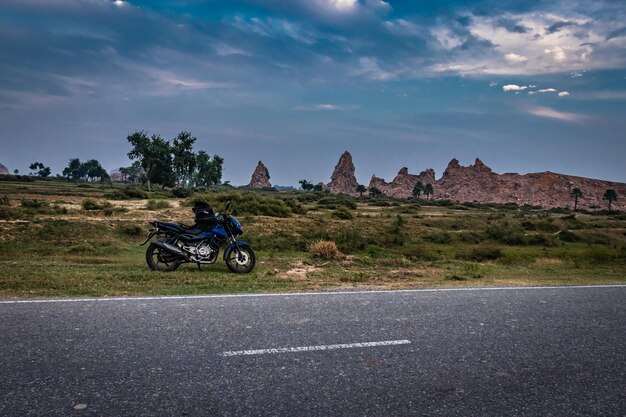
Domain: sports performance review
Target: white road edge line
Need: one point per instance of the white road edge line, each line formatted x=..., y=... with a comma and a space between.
x=314, y=348
x=296, y=294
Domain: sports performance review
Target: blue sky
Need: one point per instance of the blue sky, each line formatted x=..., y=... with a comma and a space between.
x=526, y=86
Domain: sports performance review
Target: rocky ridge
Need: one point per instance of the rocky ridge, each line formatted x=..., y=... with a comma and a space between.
x=402, y=185
x=343, y=179
x=478, y=182
x=4, y=170
x=260, y=177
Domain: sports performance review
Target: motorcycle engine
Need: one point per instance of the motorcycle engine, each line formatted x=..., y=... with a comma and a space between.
x=202, y=252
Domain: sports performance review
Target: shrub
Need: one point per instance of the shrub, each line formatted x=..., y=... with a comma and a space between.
x=127, y=193
x=326, y=249
x=157, y=204
x=336, y=202
x=180, y=192
x=343, y=213
x=244, y=203
x=131, y=230
x=482, y=253
x=33, y=204
x=4, y=201
x=442, y=238
x=91, y=204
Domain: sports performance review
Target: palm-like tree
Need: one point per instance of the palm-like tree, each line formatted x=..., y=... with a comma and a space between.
x=428, y=190
x=576, y=193
x=361, y=189
x=610, y=195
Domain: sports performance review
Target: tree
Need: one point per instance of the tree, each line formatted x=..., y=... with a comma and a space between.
x=73, y=170
x=375, y=192
x=576, y=193
x=306, y=185
x=92, y=170
x=16, y=171
x=208, y=171
x=318, y=187
x=428, y=190
x=132, y=173
x=155, y=156
x=610, y=195
x=40, y=169
x=361, y=189
x=418, y=189
x=183, y=157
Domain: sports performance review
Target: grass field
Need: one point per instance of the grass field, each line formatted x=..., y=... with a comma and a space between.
x=66, y=239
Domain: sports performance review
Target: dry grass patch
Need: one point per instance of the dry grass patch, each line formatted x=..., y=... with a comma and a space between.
x=326, y=249
x=299, y=271
x=549, y=261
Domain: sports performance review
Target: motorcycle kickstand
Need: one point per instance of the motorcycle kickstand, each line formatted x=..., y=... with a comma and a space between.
x=199, y=267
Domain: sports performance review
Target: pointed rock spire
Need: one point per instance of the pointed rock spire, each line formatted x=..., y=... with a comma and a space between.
x=260, y=177
x=343, y=179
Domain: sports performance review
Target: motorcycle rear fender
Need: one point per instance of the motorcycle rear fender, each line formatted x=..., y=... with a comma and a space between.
x=232, y=246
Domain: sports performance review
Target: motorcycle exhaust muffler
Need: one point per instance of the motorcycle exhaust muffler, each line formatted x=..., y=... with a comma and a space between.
x=171, y=248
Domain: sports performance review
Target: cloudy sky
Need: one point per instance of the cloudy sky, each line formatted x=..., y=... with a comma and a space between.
x=527, y=86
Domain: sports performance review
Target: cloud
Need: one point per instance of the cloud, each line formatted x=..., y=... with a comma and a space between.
x=563, y=94
x=548, y=113
x=514, y=87
x=555, y=27
x=616, y=34
x=515, y=58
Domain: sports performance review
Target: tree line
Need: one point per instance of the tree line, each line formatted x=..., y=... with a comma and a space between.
x=173, y=163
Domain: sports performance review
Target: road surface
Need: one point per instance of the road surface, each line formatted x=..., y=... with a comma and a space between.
x=481, y=352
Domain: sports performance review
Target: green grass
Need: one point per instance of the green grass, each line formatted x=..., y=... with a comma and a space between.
x=51, y=246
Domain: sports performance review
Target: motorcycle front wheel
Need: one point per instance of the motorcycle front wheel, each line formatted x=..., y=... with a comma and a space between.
x=242, y=261
x=161, y=260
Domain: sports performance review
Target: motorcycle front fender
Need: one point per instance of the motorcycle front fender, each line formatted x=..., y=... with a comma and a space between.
x=233, y=246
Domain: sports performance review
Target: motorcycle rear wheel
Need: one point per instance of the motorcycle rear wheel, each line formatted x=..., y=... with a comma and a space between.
x=161, y=260
x=242, y=262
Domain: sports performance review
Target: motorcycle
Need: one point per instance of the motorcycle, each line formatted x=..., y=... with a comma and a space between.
x=177, y=244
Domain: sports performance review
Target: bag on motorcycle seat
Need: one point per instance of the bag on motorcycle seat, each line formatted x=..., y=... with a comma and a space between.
x=205, y=216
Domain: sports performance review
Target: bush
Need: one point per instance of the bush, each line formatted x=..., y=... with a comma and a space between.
x=343, y=213
x=442, y=238
x=335, y=202
x=157, y=204
x=92, y=205
x=326, y=249
x=33, y=204
x=482, y=253
x=4, y=201
x=131, y=230
x=246, y=203
x=180, y=192
x=127, y=193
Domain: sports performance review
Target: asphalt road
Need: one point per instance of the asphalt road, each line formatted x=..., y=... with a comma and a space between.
x=498, y=352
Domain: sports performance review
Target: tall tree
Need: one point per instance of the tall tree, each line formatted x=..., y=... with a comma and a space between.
x=72, y=171
x=361, y=189
x=16, y=171
x=208, y=171
x=418, y=189
x=154, y=154
x=576, y=193
x=184, y=157
x=610, y=195
x=40, y=169
x=429, y=190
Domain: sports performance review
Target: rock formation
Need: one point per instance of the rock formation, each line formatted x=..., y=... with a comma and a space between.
x=403, y=184
x=479, y=183
x=116, y=176
x=4, y=170
x=343, y=179
x=260, y=177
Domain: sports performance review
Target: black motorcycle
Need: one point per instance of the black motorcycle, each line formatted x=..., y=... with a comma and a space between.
x=177, y=244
